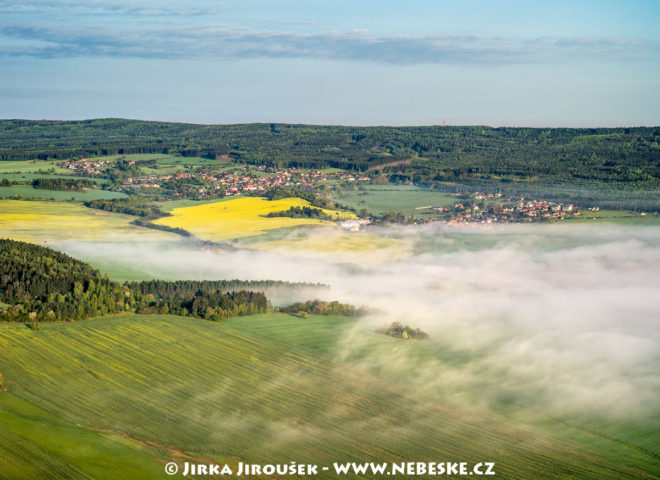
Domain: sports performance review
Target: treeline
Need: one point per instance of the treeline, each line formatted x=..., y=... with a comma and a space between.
x=424, y=155
x=398, y=330
x=40, y=284
x=163, y=228
x=301, y=212
x=194, y=298
x=316, y=200
x=131, y=205
x=320, y=307
x=168, y=288
x=69, y=185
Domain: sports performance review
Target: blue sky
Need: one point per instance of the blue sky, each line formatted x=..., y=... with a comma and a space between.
x=520, y=63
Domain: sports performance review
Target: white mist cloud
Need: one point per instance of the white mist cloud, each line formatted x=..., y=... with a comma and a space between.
x=559, y=318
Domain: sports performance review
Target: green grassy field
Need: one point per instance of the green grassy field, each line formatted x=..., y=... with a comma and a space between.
x=31, y=166
x=37, y=444
x=331, y=336
x=615, y=216
x=26, y=171
x=28, y=177
x=117, y=396
x=167, y=164
x=320, y=335
x=378, y=199
x=138, y=157
x=28, y=191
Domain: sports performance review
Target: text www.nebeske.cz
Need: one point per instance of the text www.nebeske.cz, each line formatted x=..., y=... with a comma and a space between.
x=293, y=468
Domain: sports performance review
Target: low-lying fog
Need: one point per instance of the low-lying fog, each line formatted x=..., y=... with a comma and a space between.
x=560, y=318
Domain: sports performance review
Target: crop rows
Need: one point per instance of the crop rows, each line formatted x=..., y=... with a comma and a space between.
x=213, y=392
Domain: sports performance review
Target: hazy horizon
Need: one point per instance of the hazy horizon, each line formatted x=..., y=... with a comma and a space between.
x=327, y=124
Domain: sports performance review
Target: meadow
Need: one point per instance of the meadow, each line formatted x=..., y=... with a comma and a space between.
x=150, y=389
x=617, y=216
x=167, y=164
x=28, y=177
x=35, y=443
x=378, y=199
x=31, y=166
x=241, y=217
x=29, y=192
x=26, y=171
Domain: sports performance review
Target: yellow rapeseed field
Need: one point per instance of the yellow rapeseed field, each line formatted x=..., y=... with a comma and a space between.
x=42, y=222
x=358, y=247
x=241, y=217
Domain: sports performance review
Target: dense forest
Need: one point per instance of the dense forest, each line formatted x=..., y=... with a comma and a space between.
x=201, y=299
x=627, y=157
x=75, y=185
x=168, y=288
x=41, y=284
x=38, y=283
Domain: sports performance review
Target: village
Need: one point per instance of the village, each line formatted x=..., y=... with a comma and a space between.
x=206, y=183
x=478, y=207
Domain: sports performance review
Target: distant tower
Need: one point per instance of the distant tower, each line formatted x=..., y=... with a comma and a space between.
x=444, y=123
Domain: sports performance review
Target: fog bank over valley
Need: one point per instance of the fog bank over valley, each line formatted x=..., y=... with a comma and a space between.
x=563, y=319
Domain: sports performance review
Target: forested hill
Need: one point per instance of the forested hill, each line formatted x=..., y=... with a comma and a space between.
x=422, y=154
x=37, y=283
x=40, y=284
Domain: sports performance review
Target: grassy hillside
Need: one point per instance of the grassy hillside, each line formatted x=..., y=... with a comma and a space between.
x=354, y=343
x=37, y=444
x=263, y=392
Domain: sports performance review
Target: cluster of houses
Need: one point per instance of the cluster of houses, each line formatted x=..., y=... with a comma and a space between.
x=245, y=179
x=85, y=167
x=483, y=208
x=234, y=181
